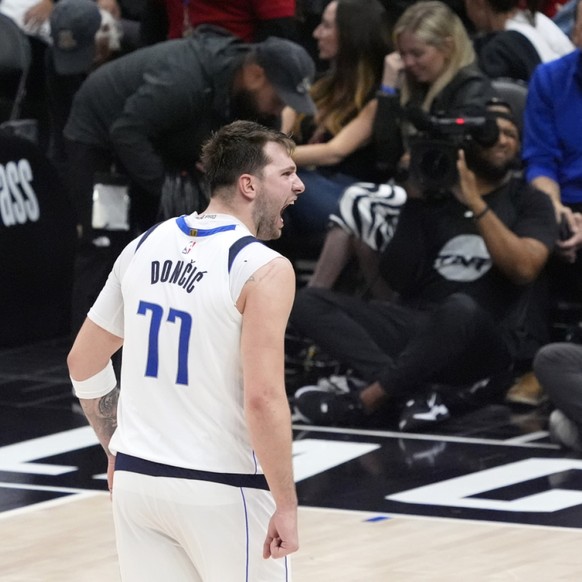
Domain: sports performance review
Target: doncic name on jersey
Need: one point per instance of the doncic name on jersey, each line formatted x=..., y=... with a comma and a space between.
x=182, y=273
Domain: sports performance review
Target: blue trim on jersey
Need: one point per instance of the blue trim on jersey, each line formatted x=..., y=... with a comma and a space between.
x=238, y=246
x=247, y=535
x=183, y=226
x=146, y=234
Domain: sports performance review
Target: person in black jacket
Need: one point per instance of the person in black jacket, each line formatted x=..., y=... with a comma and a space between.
x=149, y=113
x=463, y=264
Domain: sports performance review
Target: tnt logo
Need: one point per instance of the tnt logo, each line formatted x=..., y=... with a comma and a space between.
x=464, y=258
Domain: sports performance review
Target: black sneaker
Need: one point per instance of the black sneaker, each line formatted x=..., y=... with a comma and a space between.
x=489, y=390
x=305, y=362
x=316, y=406
x=423, y=412
x=339, y=384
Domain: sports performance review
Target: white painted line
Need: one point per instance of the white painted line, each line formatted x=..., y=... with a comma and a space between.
x=31, y=487
x=371, y=514
x=526, y=438
x=422, y=436
x=49, y=503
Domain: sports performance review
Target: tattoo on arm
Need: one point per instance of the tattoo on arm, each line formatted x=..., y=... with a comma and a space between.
x=108, y=405
x=102, y=415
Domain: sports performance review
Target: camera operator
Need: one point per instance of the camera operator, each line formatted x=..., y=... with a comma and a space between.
x=463, y=263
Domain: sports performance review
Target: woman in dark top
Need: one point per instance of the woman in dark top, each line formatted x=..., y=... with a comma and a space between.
x=354, y=37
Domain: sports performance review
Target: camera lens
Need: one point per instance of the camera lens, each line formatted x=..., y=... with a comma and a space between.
x=433, y=164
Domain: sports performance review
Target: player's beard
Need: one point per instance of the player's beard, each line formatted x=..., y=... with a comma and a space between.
x=266, y=218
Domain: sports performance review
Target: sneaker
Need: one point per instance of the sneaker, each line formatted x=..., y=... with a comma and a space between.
x=328, y=408
x=526, y=391
x=564, y=431
x=305, y=362
x=468, y=397
x=336, y=384
x=422, y=412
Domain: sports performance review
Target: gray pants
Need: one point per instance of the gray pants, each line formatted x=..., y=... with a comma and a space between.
x=558, y=367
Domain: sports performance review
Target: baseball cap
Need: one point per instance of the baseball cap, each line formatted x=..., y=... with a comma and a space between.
x=290, y=69
x=499, y=108
x=74, y=24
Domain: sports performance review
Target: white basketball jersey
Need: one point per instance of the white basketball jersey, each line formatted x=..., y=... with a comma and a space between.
x=171, y=297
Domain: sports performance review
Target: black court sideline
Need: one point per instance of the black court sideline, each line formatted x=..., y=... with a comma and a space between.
x=495, y=464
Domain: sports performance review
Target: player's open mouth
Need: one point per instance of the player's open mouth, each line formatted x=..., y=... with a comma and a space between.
x=285, y=207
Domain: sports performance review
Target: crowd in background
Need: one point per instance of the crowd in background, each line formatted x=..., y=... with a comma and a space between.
x=130, y=89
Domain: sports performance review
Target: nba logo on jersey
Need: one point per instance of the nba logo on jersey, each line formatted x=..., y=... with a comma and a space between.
x=188, y=247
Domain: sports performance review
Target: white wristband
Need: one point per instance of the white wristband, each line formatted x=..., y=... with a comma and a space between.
x=96, y=386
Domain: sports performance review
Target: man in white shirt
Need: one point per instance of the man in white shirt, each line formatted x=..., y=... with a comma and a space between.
x=201, y=438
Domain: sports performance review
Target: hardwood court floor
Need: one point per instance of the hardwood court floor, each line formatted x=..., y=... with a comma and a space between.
x=72, y=541
x=484, y=497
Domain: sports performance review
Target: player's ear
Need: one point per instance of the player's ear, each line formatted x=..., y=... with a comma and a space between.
x=248, y=186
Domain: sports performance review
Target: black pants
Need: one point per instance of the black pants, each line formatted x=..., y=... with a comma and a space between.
x=97, y=249
x=566, y=278
x=403, y=348
x=558, y=367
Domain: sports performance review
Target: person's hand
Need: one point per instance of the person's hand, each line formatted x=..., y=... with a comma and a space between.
x=102, y=52
x=393, y=65
x=467, y=193
x=110, y=471
x=567, y=249
x=404, y=161
x=35, y=16
x=110, y=6
x=282, y=538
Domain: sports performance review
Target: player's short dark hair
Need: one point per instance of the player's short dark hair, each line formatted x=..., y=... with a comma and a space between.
x=238, y=148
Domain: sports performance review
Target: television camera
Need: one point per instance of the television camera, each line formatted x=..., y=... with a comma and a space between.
x=434, y=149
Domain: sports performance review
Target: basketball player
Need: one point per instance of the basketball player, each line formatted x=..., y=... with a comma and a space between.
x=200, y=440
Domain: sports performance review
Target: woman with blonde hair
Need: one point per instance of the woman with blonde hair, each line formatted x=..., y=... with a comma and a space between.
x=428, y=29
x=433, y=71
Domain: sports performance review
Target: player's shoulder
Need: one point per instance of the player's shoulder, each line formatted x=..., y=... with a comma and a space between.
x=277, y=271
